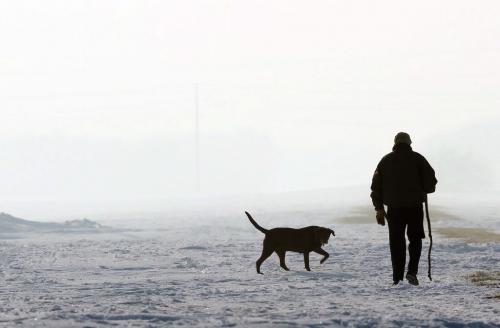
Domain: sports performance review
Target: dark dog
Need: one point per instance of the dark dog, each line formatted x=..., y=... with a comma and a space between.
x=304, y=240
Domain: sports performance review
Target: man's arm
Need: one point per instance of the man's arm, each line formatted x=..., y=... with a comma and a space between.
x=428, y=176
x=376, y=196
x=376, y=188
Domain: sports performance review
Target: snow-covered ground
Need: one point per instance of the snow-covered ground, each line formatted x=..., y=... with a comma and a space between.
x=202, y=273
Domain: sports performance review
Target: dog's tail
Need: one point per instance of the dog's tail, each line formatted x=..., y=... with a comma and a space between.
x=255, y=224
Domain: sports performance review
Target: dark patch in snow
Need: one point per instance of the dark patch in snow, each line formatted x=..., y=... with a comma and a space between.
x=195, y=248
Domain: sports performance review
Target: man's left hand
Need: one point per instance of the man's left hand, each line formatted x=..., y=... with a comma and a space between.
x=381, y=217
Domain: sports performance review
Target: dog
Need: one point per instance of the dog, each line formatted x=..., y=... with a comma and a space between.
x=282, y=240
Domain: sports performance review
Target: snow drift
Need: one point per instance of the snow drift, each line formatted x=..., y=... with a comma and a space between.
x=12, y=224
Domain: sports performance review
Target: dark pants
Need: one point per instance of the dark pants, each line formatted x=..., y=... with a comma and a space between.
x=398, y=218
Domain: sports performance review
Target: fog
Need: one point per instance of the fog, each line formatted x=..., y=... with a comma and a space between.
x=98, y=99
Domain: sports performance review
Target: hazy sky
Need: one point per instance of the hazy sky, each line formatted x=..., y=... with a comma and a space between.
x=97, y=97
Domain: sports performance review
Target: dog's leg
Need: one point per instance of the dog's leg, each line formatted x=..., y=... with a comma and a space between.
x=266, y=252
x=322, y=252
x=306, y=261
x=281, y=255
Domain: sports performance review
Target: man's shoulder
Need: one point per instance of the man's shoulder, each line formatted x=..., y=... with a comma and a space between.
x=419, y=156
x=387, y=157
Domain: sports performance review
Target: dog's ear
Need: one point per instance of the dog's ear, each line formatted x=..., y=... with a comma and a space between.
x=321, y=235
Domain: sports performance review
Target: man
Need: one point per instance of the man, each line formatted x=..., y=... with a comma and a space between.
x=401, y=181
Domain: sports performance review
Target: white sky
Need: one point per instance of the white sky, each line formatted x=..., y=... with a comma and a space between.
x=97, y=97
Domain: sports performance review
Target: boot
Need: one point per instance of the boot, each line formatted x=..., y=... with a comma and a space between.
x=412, y=279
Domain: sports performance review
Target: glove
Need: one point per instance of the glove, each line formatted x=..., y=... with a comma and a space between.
x=381, y=217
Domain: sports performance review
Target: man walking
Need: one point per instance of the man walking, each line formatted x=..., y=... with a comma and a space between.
x=402, y=180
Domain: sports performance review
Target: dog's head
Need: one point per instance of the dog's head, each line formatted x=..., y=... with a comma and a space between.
x=323, y=234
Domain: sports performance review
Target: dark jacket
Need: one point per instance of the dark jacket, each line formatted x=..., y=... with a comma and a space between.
x=402, y=179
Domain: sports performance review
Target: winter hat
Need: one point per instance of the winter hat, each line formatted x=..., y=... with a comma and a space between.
x=402, y=137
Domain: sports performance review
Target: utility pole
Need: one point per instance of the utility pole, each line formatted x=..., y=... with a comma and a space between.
x=197, y=136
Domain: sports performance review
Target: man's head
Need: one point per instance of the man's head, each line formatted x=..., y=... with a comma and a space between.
x=402, y=138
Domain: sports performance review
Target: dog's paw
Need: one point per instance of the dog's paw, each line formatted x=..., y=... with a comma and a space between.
x=308, y=269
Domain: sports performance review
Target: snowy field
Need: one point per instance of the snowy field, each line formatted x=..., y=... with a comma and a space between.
x=202, y=273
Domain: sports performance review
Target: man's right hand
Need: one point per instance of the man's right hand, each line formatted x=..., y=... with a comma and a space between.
x=381, y=217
